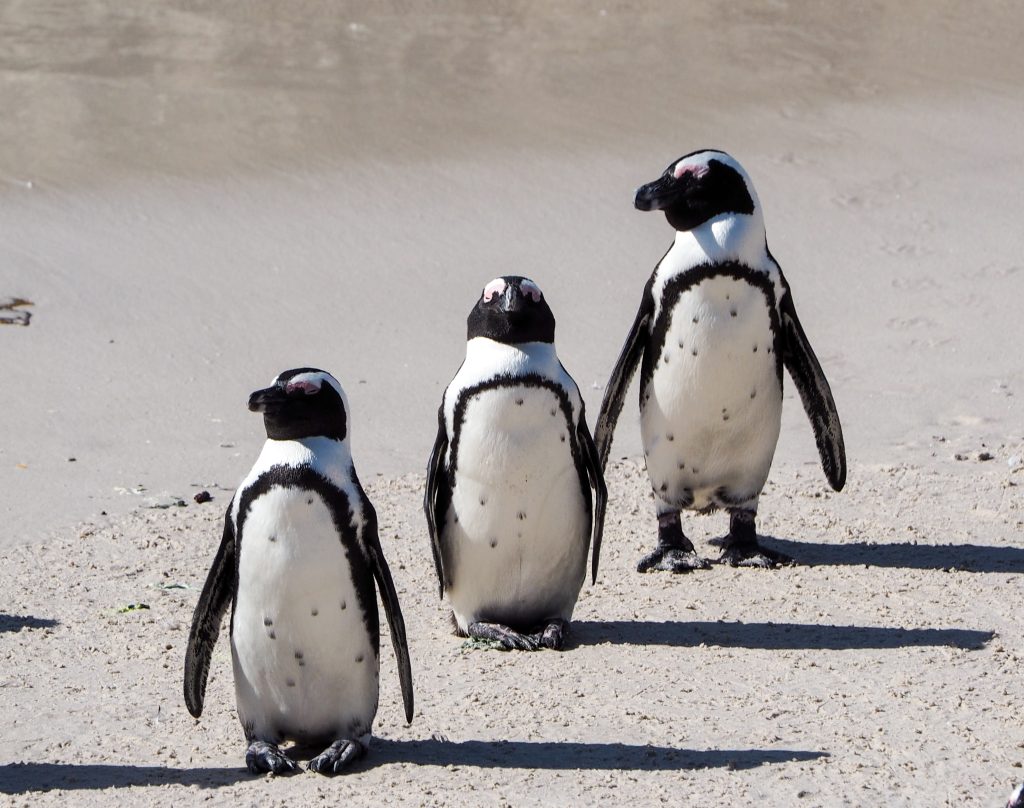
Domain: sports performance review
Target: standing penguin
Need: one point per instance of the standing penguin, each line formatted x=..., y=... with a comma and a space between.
x=298, y=560
x=508, y=498
x=714, y=329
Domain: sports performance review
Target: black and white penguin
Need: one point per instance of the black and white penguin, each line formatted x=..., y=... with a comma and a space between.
x=715, y=327
x=298, y=561
x=508, y=499
x=1016, y=798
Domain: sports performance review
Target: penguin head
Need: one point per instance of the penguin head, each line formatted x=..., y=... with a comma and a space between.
x=303, y=403
x=697, y=188
x=512, y=309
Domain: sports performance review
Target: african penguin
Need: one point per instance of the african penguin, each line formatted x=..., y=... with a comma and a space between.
x=298, y=561
x=715, y=327
x=1016, y=798
x=508, y=498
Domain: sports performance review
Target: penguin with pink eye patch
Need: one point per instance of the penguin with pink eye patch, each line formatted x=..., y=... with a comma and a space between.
x=515, y=497
x=715, y=327
x=298, y=563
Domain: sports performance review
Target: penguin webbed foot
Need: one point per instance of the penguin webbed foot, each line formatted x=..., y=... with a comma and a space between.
x=741, y=549
x=753, y=555
x=553, y=634
x=262, y=757
x=672, y=559
x=337, y=757
x=505, y=638
x=675, y=552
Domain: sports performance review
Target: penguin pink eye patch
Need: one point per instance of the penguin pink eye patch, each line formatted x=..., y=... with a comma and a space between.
x=694, y=171
x=495, y=287
x=307, y=387
x=531, y=290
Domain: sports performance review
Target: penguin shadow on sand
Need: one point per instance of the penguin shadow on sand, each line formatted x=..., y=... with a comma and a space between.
x=773, y=636
x=21, y=778
x=13, y=623
x=573, y=755
x=963, y=557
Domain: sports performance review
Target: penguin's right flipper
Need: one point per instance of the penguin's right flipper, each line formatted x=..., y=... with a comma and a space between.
x=595, y=470
x=432, y=505
x=392, y=609
x=622, y=374
x=213, y=602
x=816, y=395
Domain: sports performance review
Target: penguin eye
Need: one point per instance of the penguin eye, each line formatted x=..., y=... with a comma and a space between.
x=493, y=289
x=303, y=386
x=531, y=290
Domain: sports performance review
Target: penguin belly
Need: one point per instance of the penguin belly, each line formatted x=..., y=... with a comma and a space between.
x=304, y=662
x=711, y=412
x=518, y=524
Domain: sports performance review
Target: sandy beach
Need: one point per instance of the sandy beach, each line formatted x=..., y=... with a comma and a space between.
x=195, y=198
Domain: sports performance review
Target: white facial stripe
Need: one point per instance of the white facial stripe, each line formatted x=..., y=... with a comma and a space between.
x=309, y=388
x=495, y=287
x=528, y=287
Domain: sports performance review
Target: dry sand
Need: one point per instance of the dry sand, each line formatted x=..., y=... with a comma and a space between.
x=195, y=198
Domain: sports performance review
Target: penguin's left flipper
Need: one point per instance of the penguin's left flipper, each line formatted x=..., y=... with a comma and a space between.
x=337, y=757
x=618, y=384
x=815, y=393
x=392, y=609
x=592, y=459
x=213, y=602
x=432, y=506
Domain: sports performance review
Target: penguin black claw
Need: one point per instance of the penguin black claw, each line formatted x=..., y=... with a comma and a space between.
x=337, y=757
x=672, y=559
x=262, y=757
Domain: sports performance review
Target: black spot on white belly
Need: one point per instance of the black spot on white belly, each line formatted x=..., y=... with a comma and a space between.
x=267, y=621
x=670, y=436
x=682, y=465
x=494, y=542
x=753, y=393
x=694, y=351
x=732, y=312
x=519, y=402
x=309, y=501
x=272, y=635
x=298, y=654
x=554, y=413
x=344, y=605
x=315, y=612
x=562, y=438
x=359, y=658
x=290, y=682
x=272, y=538
x=755, y=349
x=664, y=487
x=521, y=516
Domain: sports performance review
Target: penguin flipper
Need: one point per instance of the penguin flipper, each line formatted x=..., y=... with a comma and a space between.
x=626, y=365
x=595, y=472
x=816, y=395
x=213, y=602
x=392, y=609
x=431, y=505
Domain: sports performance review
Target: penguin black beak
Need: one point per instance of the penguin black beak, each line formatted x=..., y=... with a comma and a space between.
x=511, y=300
x=660, y=194
x=270, y=399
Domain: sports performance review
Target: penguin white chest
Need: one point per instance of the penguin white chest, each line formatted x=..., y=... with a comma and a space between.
x=304, y=661
x=518, y=525
x=711, y=412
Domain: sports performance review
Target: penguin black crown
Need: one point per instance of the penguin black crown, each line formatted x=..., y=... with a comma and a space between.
x=298, y=562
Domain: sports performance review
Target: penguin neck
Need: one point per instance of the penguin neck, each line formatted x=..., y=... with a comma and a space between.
x=726, y=237
x=317, y=451
x=509, y=357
